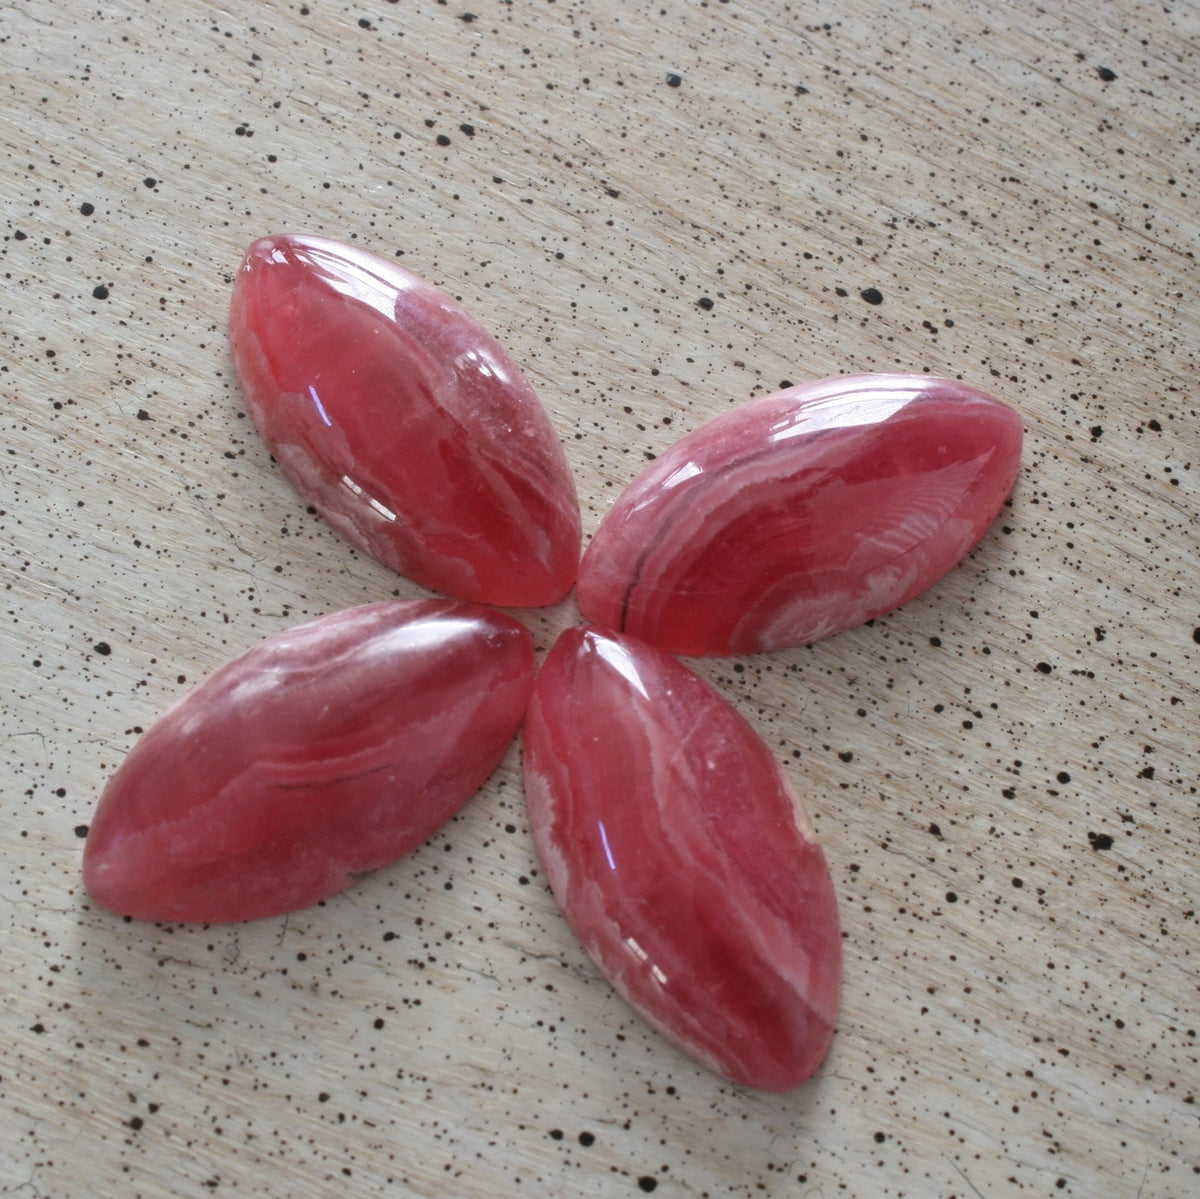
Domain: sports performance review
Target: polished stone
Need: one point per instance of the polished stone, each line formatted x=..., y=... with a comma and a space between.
x=682, y=858
x=327, y=750
x=404, y=422
x=802, y=513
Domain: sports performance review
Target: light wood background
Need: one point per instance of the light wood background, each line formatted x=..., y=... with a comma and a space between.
x=1004, y=773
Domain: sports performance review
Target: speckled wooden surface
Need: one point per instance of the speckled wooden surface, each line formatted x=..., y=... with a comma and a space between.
x=661, y=209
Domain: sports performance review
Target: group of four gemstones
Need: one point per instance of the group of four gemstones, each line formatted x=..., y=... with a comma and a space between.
x=669, y=835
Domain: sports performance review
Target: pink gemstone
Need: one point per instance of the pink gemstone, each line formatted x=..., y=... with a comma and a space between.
x=327, y=750
x=404, y=422
x=683, y=859
x=802, y=513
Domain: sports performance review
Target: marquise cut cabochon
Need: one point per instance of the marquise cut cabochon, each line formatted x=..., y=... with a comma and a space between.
x=682, y=858
x=327, y=750
x=404, y=422
x=801, y=514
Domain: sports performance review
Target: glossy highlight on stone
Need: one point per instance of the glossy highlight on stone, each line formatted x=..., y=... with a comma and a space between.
x=682, y=858
x=327, y=750
x=404, y=422
x=801, y=514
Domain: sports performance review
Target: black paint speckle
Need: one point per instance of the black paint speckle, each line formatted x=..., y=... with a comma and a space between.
x=86, y=208
x=102, y=648
x=705, y=302
x=81, y=830
x=647, y=1183
x=1100, y=840
x=872, y=295
x=100, y=292
x=674, y=80
x=1107, y=74
x=587, y=1139
x=150, y=181
x=442, y=140
x=1044, y=667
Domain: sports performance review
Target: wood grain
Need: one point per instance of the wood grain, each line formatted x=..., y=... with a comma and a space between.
x=661, y=210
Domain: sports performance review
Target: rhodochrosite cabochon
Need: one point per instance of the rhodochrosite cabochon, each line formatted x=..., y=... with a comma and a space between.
x=801, y=514
x=682, y=858
x=327, y=750
x=404, y=422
